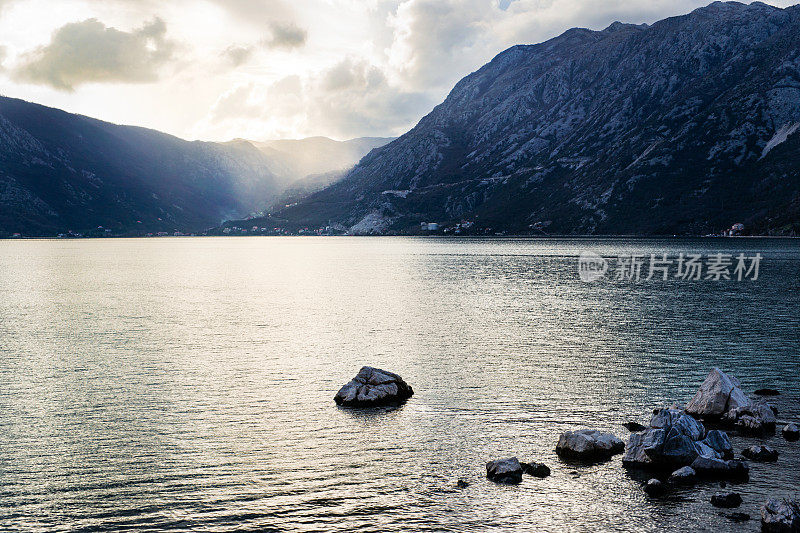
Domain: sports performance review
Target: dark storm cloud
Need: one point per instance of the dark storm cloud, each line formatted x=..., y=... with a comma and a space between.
x=89, y=51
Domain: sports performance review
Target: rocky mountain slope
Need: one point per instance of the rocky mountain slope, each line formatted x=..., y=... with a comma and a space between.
x=686, y=126
x=61, y=172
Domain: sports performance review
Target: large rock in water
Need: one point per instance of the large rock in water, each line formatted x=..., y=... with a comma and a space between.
x=780, y=516
x=674, y=439
x=374, y=387
x=588, y=445
x=718, y=394
x=508, y=471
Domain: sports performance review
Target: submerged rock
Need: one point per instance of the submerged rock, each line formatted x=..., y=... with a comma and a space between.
x=718, y=394
x=761, y=453
x=791, y=432
x=374, y=387
x=461, y=484
x=588, y=445
x=654, y=488
x=726, y=499
x=508, y=471
x=739, y=517
x=536, y=469
x=634, y=427
x=683, y=476
x=766, y=392
x=780, y=516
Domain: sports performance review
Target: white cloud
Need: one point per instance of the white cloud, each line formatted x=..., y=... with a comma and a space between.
x=89, y=51
x=352, y=98
x=272, y=68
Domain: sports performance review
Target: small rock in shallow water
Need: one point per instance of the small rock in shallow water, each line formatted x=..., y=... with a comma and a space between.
x=791, y=432
x=634, y=427
x=766, y=392
x=654, y=488
x=780, y=516
x=536, y=469
x=373, y=387
x=759, y=452
x=507, y=471
x=588, y=445
x=461, y=484
x=683, y=476
x=726, y=499
x=739, y=517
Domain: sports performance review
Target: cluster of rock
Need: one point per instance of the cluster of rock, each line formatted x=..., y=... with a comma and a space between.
x=373, y=387
x=509, y=471
x=674, y=441
x=721, y=398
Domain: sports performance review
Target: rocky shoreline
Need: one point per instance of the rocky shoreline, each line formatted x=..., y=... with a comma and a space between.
x=680, y=447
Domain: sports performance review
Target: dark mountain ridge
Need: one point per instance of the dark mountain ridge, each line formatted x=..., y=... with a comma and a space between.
x=61, y=172
x=685, y=126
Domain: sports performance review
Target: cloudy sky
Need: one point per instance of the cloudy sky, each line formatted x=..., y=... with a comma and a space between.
x=265, y=69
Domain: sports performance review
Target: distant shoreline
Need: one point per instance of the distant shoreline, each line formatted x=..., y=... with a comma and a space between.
x=455, y=237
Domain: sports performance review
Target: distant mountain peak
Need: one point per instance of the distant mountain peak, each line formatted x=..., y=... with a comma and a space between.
x=633, y=129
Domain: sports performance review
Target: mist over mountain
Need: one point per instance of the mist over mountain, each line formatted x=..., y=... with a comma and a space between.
x=685, y=126
x=62, y=172
x=318, y=155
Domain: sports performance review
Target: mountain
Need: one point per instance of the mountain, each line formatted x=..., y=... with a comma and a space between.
x=685, y=126
x=61, y=172
x=318, y=155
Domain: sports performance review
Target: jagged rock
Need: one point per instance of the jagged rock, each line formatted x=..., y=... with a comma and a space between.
x=673, y=440
x=766, y=392
x=719, y=442
x=588, y=444
x=654, y=488
x=756, y=419
x=726, y=499
x=718, y=394
x=634, y=427
x=374, y=387
x=780, y=516
x=683, y=476
x=508, y=471
x=719, y=468
x=761, y=453
x=536, y=469
x=461, y=484
x=791, y=432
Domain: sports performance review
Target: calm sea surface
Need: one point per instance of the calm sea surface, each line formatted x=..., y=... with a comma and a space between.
x=187, y=383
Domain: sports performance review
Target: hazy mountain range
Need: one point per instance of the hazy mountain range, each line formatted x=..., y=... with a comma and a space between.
x=689, y=125
x=686, y=126
x=62, y=172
